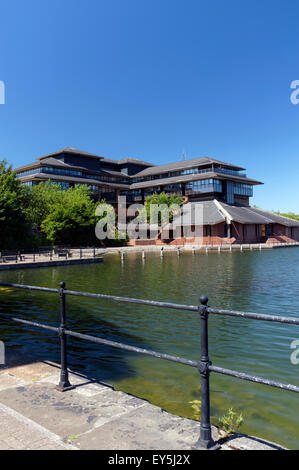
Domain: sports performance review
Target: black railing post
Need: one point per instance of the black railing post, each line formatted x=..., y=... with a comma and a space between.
x=64, y=383
x=205, y=440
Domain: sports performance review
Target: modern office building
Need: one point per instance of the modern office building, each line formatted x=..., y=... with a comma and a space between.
x=224, y=190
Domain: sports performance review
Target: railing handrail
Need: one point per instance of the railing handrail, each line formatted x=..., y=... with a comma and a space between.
x=204, y=365
x=162, y=304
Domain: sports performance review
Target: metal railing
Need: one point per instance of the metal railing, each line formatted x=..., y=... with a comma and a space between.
x=204, y=365
x=49, y=253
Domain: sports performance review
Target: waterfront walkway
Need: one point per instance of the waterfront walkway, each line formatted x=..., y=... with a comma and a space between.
x=91, y=255
x=34, y=415
x=42, y=261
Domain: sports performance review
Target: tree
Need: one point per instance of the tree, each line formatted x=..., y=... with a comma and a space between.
x=44, y=213
x=106, y=228
x=160, y=207
x=71, y=216
x=40, y=200
x=64, y=217
x=14, y=231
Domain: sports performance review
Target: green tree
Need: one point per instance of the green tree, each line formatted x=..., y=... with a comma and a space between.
x=106, y=229
x=14, y=231
x=71, y=217
x=40, y=200
x=160, y=207
x=66, y=217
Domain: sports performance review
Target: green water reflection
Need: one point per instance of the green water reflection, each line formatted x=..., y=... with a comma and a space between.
x=265, y=282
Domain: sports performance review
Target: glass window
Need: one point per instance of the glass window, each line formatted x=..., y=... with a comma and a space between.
x=204, y=186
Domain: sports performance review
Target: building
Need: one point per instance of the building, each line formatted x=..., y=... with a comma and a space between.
x=224, y=191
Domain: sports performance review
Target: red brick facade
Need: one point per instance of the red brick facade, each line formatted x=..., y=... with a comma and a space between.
x=241, y=233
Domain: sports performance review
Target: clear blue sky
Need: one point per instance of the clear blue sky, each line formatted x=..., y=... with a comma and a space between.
x=151, y=79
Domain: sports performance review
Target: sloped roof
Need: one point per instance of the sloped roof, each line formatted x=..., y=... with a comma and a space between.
x=123, y=161
x=54, y=162
x=51, y=161
x=198, y=213
x=73, y=179
x=214, y=212
x=188, y=178
x=251, y=215
x=134, y=160
x=184, y=164
x=72, y=151
x=245, y=215
x=277, y=219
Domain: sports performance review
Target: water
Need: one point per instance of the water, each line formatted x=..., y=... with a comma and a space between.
x=265, y=282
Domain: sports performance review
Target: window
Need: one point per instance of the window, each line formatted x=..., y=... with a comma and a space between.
x=204, y=186
x=46, y=169
x=263, y=230
x=242, y=189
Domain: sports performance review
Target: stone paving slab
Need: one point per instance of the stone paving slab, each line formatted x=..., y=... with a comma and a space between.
x=92, y=415
x=20, y=433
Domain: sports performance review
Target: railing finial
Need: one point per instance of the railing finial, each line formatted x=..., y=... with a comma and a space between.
x=204, y=300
